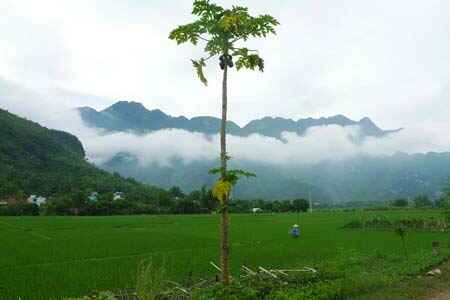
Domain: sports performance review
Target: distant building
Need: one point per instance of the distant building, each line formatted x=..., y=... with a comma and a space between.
x=93, y=197
x=118, y=196
x=256, y=210
x=38, y=200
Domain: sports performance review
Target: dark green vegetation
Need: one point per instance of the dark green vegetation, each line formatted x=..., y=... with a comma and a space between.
x=421, y=224
x=70, y=256
x=271, y=182
x=39, y=161
x=133, y=116
x=369, y=178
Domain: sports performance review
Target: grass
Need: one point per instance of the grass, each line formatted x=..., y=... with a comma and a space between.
x=56, y=257
x=415, y=287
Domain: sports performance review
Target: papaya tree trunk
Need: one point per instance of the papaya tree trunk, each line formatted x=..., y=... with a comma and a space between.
x=224, y=221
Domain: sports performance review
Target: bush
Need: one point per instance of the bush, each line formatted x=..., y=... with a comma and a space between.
x=353, y=224
x=151, y=282
x=97, y=296
x=233, y=291
x=19, y=209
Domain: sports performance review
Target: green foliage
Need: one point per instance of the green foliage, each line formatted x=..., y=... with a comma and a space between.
x=39, y=161
x=198, y=65
x=19, y=209
x=300, y=205
x=222, y=188
x=151, y=282
x=233, y=291
x=221, y=29
x=447, y=189
x=97, y=296
x=401, y=232
x=251, y=62
x=232, y=176
x=400, y=226
x=400, y=202
x=422, y=201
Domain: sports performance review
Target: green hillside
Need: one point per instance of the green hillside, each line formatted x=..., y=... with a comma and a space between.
x=37, y=160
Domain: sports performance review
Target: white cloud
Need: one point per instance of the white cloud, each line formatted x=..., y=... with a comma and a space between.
x=158, y=147
x=326, y=143
x=383, y=59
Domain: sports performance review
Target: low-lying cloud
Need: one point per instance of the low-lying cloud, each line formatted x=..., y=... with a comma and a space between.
x=324, y=143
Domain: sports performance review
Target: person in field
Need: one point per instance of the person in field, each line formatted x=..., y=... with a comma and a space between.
x=295, y=231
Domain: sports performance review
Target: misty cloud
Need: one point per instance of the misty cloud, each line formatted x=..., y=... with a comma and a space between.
x=52, y=109
x=324, y=143
x=384, y=59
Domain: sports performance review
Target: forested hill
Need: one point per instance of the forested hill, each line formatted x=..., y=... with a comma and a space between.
x=37, y=160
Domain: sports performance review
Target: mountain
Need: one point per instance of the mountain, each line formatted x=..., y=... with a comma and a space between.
x=378, y=178
x=362, y=178
x=133, y=116
x=271, y=182
x=37, y=160
x=359, y=178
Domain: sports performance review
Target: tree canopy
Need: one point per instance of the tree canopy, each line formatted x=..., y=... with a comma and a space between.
x=221, y=29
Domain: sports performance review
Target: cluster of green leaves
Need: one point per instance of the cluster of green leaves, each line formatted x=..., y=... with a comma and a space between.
x=232, y=176
x=229, y=178
x=447, y=191
x=221, y=29
x=97, y=296
x=19, y=209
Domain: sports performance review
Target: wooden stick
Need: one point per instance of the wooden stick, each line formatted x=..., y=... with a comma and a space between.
x=266, y=271
x=248, y=270
x=215, y=266
x=281, y=272
x=183, y=290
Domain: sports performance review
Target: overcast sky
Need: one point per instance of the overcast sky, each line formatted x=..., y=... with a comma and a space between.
x=389, y=60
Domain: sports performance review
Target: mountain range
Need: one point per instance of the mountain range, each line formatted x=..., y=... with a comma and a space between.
x=359, y=178
x=134, y=117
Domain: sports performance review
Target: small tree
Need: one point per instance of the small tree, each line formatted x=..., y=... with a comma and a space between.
x=300, y=205
x=444, y=202
x=400, y=202
x=422, y=201
x=221, y=29
x=401, y=232
x=447, y=191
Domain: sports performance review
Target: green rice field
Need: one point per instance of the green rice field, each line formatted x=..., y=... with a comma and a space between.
x=58, y=257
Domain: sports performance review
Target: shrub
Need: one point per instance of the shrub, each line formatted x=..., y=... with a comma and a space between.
x=97, y=296
x=151, y=282
x=234, y=291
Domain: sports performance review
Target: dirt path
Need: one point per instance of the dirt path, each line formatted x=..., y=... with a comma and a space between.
x=445, y=295
x=439, y=287
x=421, y=287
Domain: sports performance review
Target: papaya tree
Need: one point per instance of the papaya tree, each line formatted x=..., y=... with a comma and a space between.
x=221, y=32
